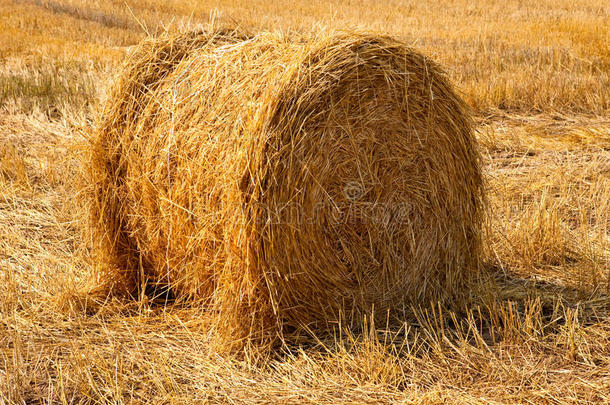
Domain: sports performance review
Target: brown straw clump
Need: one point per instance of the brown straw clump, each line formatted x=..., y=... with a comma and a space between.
x=286, y=184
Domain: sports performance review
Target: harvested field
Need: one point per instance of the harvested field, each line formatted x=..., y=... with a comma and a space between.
x=535, y=76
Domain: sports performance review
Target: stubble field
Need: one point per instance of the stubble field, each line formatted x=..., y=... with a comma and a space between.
x=537, y=76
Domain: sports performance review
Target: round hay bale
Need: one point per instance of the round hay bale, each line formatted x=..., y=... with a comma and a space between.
x=287, y=183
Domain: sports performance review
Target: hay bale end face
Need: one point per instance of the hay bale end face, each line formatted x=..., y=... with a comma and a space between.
x=286, y=183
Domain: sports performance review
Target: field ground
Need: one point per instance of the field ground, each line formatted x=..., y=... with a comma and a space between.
x=538, y=79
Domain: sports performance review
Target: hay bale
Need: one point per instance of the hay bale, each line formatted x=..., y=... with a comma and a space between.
x=286, y=183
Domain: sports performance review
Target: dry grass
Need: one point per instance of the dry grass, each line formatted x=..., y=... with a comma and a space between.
x=537, y=75
x=543, y=56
